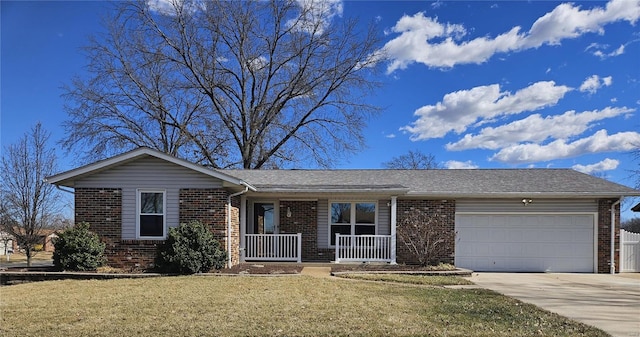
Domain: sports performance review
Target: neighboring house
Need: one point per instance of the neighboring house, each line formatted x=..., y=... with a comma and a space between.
x=6, y=243
x=636, y=208
x=555, y=220
x=45, y=238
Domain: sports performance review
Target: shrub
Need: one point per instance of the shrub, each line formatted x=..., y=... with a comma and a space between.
x=78, y=249
x=190, y=248
x=424, y=234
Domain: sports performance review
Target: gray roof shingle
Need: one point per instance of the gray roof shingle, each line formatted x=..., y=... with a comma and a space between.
x=440, y=183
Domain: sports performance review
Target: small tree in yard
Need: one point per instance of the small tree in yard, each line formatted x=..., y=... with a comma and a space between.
x=190, y=248
x=425, y=236
x=78, y=249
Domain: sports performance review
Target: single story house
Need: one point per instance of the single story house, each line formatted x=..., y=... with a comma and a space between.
x=531, y=220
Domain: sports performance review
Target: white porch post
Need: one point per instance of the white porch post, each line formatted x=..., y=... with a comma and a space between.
x=394, y=206
x=243, y=227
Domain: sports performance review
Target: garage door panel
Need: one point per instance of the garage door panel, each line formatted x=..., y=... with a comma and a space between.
x=494, y=242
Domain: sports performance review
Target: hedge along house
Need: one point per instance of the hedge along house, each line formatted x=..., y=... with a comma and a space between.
x=555, y=220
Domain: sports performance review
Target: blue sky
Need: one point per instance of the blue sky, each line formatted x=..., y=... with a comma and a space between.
x=486, y=84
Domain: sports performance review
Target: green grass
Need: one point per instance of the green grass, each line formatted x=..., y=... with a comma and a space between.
x=411, y=279
x=264, y=306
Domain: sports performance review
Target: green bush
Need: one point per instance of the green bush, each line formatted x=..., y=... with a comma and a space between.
x=190, y=248
x=78, y=249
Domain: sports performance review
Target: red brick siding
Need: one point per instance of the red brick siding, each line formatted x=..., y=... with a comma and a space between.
x=209, y=206
x=446, y=207
x=102, y=209
x=604, y=235
x=304, y=219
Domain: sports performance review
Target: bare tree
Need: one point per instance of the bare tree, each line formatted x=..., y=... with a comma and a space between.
x=413, y=160
x=631, y=225
x=426, y=237
x=28, y=203
x=253, y=84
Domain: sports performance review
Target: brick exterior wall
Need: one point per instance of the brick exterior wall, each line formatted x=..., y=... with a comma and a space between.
x=102, y=209
x=604, y=235
x=447, y=209
x=209, y=206
x=304, y=219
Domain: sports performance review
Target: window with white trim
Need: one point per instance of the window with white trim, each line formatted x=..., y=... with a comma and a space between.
x=151, y=214
x=352, y=218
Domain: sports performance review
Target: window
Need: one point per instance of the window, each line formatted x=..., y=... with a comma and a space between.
x=151, y=214
x=352, y=218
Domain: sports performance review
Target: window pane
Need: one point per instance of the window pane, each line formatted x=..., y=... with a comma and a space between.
x=151, y=225
x=340, y=212
x=365, y=230
x=366, y=213
x=151, y=203
x=342, y=229
x=263, y=218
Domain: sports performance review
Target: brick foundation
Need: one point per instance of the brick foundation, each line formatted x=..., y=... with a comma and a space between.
x=447, y=208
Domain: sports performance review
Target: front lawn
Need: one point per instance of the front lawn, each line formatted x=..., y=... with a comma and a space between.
x=266, y=306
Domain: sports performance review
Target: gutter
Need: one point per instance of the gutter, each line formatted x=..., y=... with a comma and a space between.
x=246, y=189
x=613, y=236
x=64, y=190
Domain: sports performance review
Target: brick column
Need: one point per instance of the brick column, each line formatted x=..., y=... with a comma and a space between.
x=604, y=235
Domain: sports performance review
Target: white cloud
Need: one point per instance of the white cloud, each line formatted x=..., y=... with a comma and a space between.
x=171, y=7
x=594, y=82
x=604, y=165
x=461, y=109
x=598, y=50
x=456, y=165
x=425, y=40
x=390, y=136
x=597, y=143
x=316, y=15
x=535, y=129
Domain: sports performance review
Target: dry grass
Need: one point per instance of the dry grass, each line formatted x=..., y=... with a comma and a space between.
x=254, y=306
x=411, y=279
x=21, y=258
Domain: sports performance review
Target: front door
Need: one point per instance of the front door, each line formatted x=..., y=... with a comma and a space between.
x=264, y=218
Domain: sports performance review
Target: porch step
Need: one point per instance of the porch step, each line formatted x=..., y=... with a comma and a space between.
x=316, y=271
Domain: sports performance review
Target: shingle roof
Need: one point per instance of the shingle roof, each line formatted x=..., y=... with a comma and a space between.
x=473, y=182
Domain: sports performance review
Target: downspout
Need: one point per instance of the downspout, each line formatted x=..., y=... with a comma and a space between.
x=613, y=236
x=246, y=188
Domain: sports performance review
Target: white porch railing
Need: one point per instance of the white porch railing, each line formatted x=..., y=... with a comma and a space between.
x=364, y=248
x=273, y=247
x=629, y=252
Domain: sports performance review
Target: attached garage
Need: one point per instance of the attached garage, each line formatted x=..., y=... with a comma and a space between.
x=535, y=239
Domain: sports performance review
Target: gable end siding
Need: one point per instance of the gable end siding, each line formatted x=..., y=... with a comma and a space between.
x=148, y=173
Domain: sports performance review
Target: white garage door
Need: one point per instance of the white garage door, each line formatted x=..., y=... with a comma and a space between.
x=525, y=243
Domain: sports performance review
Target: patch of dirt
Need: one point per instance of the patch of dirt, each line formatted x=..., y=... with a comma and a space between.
x=262, y=269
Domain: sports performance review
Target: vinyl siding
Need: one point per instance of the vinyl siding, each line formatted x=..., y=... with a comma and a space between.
x=536, y=206
x=148, y=173
x=323, y=223
x=384, y=219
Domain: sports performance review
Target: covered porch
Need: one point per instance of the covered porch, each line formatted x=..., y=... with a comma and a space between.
x=350, y=230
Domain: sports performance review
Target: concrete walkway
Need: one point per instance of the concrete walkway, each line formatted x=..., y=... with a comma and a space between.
x=608, y=302
x=316, y=271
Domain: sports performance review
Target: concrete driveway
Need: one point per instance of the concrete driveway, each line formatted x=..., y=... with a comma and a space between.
x=608, y=302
